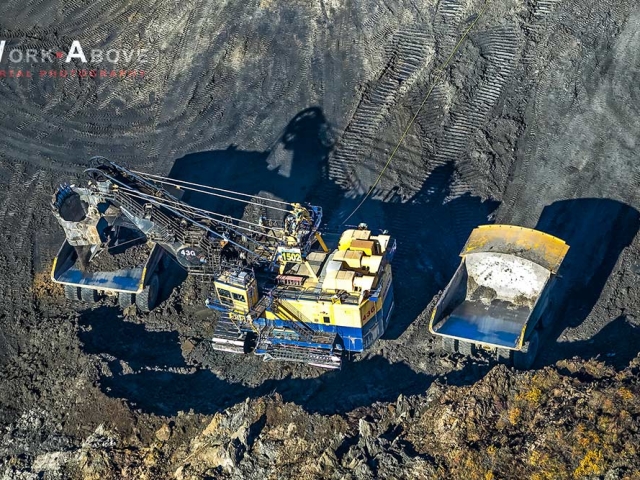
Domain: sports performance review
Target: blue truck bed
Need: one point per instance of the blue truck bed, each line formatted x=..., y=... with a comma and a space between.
x=130, y=280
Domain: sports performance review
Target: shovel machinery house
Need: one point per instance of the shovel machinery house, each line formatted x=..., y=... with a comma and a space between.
x=279, y=291
x=499, y=296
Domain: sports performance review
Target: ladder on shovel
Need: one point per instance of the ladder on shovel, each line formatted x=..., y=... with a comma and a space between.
x=230, y=334
x=297, y=342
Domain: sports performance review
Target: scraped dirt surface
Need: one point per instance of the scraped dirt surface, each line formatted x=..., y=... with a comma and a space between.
x=535, y=122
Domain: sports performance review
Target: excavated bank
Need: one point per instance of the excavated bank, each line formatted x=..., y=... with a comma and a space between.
x=578, y=420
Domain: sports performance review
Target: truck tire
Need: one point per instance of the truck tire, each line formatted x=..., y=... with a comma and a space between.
x=147, y=298
x=72, y=292
x=126, y=299
x=449, y=345
x=546, y=320
x=503, y=355
x=465, y=348
x=89, y=295
x=523, y=360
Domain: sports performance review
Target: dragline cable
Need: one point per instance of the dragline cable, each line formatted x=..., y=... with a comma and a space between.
x=204, y=213
x=126, y=189
x=180, y=211
x=182, y=184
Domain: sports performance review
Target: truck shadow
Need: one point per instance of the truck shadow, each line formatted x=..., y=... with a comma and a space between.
x=596, y=230
x=171, y=277
x=615, y=345
x=103, y=332
x=157, y=380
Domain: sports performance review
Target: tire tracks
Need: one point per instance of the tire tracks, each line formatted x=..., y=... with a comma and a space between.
x=16, y=215
x=410, y=54
x=499, y=48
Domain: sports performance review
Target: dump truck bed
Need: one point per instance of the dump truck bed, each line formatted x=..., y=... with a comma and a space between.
x=500, y=287
x=498, y=325
x=130, y=280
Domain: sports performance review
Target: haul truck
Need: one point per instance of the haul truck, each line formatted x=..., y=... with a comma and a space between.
x=91, y=228
x=498, y=298
x=137, y=285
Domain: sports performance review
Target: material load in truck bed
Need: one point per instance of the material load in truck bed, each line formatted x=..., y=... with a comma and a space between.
x=500, y=293
x=108, y=261
x=503, y=277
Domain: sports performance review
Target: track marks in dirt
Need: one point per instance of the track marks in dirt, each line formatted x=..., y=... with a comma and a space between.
x=410, y=52
x=19, y=203
x=551, y=166
x=543, y=8
x=499, y=48
x=447, y=25
x=81, y=117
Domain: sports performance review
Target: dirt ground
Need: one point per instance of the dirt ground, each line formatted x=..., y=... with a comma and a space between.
x=534, y=122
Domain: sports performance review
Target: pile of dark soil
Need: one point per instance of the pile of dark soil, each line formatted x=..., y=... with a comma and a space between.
x=107, y=260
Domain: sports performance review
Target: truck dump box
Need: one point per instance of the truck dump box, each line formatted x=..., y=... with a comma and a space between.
x=128, y=280
x=500, y=287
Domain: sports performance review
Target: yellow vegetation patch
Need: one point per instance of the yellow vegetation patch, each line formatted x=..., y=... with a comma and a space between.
x=44, y=287
x=514, y=415
x=607, y=405
x=591, y=464
x=470, y=465
x=532, y=396
x=546, y=466
x=588, y=438
x=625, y=394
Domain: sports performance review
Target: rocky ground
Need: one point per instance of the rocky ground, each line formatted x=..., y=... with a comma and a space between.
x=575, y=420
x=534, y=122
